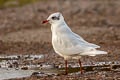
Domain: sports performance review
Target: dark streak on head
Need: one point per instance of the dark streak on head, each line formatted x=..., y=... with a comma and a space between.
x=55, y=18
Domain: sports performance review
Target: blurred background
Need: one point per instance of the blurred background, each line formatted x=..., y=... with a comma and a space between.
x=23, y=34
x=21, y=31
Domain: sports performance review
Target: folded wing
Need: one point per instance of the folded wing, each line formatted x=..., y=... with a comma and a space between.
x=76, y=45
x=85, y=43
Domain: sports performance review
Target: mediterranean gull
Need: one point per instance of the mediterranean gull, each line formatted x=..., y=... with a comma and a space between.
x=67, y=43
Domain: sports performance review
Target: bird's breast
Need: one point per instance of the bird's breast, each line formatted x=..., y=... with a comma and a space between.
x=57, y=44
x=60, y=43
x=57, y=41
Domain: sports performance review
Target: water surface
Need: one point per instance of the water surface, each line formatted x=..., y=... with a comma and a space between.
x=12, y=73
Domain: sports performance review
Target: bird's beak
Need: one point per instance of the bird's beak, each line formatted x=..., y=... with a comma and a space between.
x=45, y=21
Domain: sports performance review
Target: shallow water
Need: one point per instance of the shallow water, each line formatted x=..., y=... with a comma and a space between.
x=8, y=73
x=12, y=73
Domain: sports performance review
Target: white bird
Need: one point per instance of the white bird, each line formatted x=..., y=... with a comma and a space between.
x=67, y=43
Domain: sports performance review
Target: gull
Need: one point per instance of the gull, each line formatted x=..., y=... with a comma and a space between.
x=68, y=44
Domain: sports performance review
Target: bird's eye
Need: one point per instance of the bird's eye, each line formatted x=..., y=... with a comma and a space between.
x=53, y=17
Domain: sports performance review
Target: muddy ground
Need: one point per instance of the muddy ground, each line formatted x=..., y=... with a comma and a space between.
x=21, y=31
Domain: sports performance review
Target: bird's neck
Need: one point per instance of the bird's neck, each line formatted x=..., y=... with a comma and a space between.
x=60, y=28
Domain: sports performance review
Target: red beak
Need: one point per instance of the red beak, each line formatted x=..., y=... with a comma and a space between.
x=45, y=21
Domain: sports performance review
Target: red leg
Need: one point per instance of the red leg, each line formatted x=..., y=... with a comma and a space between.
x=66, y=67
x=80, y=65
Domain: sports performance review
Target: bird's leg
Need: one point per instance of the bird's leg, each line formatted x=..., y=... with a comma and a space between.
x=80, y=65
x=66, y=67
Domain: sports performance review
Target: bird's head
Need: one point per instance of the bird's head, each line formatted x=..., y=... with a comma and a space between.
x=54, y=18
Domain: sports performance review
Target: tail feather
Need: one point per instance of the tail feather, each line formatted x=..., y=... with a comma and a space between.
x=94, y=53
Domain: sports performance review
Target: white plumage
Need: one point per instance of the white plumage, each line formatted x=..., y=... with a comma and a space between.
x=67, y=43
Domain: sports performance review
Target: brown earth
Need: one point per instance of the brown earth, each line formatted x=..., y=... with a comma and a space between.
x=21, y=31
x=87, y=76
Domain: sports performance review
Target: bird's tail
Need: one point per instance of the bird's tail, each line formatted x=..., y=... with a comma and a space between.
x=94, y=53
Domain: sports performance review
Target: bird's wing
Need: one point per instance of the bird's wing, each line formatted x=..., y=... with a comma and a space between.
x=72, y=44
x=85, y=43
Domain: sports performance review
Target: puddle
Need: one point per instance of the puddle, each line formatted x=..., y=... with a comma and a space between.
x=12, y=73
